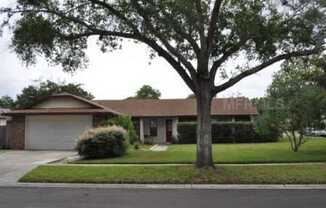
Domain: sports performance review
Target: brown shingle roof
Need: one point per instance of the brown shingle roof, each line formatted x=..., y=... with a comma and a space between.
x=178, y=107
x=54, y=111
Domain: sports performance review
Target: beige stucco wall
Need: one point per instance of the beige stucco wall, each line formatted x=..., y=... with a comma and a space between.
x=161, y=129
x=161, y=132
x=62, y=103
x=175, y=127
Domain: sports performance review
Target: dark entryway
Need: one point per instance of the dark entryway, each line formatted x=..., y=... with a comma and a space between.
x=168, y=127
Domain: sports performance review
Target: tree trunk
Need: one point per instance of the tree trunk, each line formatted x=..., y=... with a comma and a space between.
x=204, y=127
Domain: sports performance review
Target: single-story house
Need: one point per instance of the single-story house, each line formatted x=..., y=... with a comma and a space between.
x=56, y=122
x=3, y=119
x=3, y=124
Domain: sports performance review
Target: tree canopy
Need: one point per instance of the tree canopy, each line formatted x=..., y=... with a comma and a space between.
x=33, y=93
x=7, y=102
x=196, y=37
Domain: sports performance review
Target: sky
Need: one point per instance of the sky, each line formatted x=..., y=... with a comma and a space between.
x=115, y=75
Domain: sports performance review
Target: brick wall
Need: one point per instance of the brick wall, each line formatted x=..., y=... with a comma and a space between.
x=16, y=133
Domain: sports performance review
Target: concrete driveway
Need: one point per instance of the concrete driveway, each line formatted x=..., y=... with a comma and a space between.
x=14, y=164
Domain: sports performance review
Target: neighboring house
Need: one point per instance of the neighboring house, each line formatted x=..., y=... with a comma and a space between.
x=56, y=122
x=3, y=119
x=3, y=123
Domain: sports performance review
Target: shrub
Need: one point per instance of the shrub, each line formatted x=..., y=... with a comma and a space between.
x=103, y=143
x=175, y=139
x=136, y=146
x=126, y=123
x=265, y=128
x=187, y=133
x=223, y=133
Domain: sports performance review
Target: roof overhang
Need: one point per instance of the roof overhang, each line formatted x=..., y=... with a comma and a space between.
x=95, y=108
x=58, y=112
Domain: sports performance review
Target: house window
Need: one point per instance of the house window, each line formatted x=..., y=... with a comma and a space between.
x=153, y=128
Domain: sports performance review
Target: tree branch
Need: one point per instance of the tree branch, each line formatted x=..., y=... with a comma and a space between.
x=176, y=65
x=213, y=23
x=260, y=67
x=116, y=13
x=201, y=28
x=167, y=45
x=225, y=57
x=179, y=30
x=95, y=31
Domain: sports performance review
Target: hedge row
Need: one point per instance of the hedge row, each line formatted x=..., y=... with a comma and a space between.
x=224, y=133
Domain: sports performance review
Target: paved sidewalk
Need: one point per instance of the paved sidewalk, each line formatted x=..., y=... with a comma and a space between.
x=159, y=148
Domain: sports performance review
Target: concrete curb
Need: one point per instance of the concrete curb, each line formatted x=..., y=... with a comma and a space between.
x=173, y=164
x=165, y=186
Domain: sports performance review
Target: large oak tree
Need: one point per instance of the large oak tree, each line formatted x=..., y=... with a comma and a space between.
x=198, y=38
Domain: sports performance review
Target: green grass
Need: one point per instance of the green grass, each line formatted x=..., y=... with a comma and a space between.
x=313, y=150
x=263, y=174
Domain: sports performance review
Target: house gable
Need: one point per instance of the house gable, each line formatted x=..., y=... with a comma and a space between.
x=62, y=102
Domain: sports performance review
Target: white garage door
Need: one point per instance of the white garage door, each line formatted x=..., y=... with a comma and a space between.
x=55, y=132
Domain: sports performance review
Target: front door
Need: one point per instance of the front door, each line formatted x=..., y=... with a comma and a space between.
x=168, y=127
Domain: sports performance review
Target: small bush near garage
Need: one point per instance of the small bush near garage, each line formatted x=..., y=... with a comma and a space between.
x=103, y=143
x=223, y=133
x=126, y=123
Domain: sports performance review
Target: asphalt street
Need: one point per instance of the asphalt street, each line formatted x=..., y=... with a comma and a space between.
x=14, y=197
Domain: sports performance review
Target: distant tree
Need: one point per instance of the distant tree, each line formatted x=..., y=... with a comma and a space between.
x=197, y=38
x=300, y=102
x=33, y=93
x=7, y=102
x=147, y=92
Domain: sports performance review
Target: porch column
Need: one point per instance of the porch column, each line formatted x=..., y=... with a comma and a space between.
x=175, y=127
x=141, y=130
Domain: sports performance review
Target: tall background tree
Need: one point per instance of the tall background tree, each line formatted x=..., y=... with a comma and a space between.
x=198, y=38
x=33, y=93
x=7, y=102
x=147, y=92
x=295, y=102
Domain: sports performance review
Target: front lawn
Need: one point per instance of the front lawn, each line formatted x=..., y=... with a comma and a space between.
x=313, y=150
x=186, y=174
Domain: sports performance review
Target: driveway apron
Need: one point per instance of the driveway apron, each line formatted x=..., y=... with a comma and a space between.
x=15, y=164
